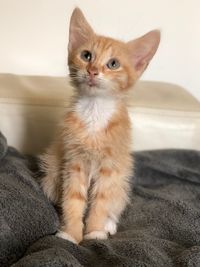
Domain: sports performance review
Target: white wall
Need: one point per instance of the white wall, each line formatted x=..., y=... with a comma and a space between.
x=34, y=33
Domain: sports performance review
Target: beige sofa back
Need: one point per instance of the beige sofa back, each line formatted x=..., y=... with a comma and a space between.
x=163, y=115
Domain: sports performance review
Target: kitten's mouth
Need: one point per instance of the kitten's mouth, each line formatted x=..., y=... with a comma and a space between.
x=92, y=82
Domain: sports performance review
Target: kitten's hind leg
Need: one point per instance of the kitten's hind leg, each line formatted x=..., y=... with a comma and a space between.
x=51, y=187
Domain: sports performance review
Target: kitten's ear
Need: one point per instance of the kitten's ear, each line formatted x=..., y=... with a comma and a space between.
x=142, y=50
x=79, y=30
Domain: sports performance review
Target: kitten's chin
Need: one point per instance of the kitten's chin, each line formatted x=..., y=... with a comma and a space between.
x=90, y=90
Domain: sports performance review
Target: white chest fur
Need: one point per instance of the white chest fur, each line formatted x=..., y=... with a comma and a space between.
x=95, y=111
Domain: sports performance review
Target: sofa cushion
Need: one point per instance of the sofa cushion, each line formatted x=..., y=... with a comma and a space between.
x=163, y=115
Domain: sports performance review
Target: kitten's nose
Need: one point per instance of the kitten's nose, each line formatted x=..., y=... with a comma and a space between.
x=92, y=70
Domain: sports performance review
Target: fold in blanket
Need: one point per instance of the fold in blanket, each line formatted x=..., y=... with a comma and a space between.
x=3, y=146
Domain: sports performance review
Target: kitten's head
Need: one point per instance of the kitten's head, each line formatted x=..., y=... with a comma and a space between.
x=101, y=65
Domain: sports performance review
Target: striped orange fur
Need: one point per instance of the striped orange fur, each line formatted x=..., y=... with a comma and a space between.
x=90, y=162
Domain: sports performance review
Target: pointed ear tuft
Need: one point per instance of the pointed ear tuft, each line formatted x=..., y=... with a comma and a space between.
x=143, y=49
x=79, y=30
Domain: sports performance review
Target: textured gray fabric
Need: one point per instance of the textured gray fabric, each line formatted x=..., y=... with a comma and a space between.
x=25, y=214
x=160, y=227
x=3, y=146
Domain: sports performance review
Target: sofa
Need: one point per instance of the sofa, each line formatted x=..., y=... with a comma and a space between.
x=163, y=115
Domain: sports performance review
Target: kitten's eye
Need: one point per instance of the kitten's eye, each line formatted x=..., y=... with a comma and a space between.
x=86, y=55
x=113, y=64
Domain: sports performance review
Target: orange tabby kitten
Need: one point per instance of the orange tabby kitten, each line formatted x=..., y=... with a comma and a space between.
x=90, y=163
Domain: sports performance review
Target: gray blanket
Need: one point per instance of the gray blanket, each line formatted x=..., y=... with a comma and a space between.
x=160, y=227
x=25, y=213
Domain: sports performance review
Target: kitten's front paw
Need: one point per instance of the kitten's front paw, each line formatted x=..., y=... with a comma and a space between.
x=110, y=226
x=66, y=236
x=96, y=235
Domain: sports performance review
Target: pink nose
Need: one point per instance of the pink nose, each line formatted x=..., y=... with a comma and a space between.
x=92, y=70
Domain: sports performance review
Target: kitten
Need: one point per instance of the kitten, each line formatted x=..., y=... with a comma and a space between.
x=90, y=163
